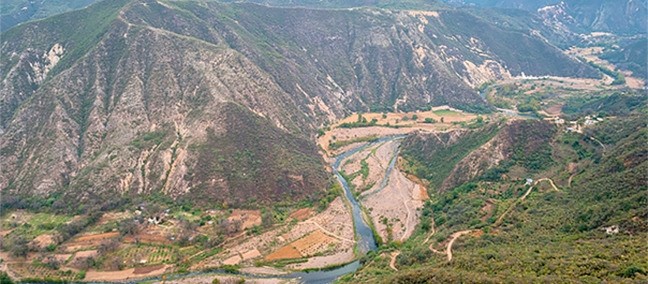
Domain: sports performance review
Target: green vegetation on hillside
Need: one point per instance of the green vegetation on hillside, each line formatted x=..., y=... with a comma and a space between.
x=618, y=103
x=552, y=235
x=256, y=163
x=630, y=55
x=619, y=78
x=433, y=160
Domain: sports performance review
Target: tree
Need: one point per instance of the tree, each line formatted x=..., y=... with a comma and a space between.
x=127, y=227
x=4, y=278
x=19, y=247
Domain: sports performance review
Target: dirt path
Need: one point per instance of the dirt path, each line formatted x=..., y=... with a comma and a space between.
x=597, y=141
x=569, y=181
x=448, y=250
x=508, y=210
x=431, y=233
x=392, y=262
x=455, y=236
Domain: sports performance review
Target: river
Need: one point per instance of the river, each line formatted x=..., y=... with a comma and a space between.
x=365, y=239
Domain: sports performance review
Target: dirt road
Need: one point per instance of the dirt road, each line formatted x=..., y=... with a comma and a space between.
x=455, y=236
x=392, y=262
x=508, y=210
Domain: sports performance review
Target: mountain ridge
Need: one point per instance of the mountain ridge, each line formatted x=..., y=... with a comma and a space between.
x=119, y=104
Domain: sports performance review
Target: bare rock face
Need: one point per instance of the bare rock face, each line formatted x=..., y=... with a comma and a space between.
x=219, y=102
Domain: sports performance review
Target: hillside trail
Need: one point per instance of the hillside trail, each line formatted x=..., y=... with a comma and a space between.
x=598, y=141
x=508, y=210
x=448, y=249
x=392, y=262
x=455, y=236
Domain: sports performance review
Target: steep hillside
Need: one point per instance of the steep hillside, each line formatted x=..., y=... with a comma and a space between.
x=467, y=155
x=581, y=217
x=137, y=98
x=629, y=55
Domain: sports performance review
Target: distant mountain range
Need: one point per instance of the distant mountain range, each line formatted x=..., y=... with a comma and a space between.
x=614, y=16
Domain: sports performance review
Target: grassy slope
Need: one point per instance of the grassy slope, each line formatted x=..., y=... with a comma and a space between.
x=434, y=162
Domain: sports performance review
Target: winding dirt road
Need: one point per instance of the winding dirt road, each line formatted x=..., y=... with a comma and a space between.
x=455, y=236
x=392, y=262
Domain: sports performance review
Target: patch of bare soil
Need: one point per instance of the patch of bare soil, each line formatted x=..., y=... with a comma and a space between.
x=397, y=219
x=301, y=214
x=42, y=241
x=126, y=274
x=246, y=218
x=147, y=269
x=96, y=237
x=555, y=109
x=3, y=233
x=286, y=252
x=88, y=241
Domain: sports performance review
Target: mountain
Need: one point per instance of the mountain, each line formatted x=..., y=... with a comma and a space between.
x=151, y=97
x=14, y=12
x=620, y=17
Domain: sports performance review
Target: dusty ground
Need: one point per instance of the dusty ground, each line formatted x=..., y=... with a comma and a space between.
x=301, y=214
x=406, y=197
x=85, y=242
x=286, y=252
x=42, y=241
x=408, y=125
x=247, y=218
x=150, y=236
x=126, y=274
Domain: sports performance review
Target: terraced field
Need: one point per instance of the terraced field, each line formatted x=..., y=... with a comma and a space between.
x=28, y=270
x=134, y=255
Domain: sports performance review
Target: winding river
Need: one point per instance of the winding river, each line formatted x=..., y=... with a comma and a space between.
x=365, y=239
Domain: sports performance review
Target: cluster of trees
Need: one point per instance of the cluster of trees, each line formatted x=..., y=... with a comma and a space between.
x=361, y=122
